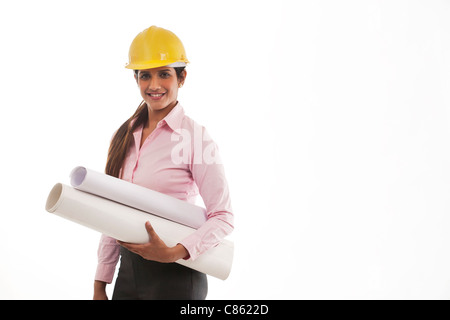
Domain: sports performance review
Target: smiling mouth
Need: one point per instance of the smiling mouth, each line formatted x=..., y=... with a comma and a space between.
x=156, y=95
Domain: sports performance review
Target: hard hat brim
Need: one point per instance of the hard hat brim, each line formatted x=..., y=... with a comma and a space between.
x=156, y=64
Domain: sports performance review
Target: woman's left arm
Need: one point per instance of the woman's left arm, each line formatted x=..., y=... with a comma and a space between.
x=209, y=175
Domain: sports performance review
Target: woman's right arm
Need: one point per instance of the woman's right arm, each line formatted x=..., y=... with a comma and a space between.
x=108, y=256
x=100, y=290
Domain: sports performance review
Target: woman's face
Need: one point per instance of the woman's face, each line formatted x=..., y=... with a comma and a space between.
x=159, y=87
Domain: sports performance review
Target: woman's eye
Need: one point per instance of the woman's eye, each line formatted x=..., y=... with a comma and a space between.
x=144, y=76
x=164, y=75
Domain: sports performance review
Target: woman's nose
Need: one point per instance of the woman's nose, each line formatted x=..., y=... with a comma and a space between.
x=154, y=84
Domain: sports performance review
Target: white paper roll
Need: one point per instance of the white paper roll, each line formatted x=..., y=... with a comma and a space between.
x=138, y=197
x=128, y=224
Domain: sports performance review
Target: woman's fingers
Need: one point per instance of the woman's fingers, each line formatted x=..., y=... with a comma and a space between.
x=130, y=246
x=153, y=235
x=139, y=248
x=155, y=249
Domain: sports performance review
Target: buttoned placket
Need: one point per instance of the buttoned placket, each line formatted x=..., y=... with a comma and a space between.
x=137, y=141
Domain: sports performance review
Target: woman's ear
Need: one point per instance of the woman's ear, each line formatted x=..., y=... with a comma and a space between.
x=136, y=76
x=182, y=78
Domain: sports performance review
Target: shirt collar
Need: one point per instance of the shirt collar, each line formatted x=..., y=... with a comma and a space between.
x=175, y=117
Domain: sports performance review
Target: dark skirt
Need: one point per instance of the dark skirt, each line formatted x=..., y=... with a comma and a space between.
x=141, y=279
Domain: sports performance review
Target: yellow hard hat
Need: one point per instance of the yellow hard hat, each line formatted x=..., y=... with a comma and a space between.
x=156, y=47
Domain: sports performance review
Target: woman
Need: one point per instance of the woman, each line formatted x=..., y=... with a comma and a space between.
x=159, y=147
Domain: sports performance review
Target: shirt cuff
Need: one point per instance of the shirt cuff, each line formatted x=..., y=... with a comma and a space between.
x=192, y=243
x=105, y=272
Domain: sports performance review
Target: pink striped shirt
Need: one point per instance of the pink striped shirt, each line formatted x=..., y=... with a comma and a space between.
x=179, y=159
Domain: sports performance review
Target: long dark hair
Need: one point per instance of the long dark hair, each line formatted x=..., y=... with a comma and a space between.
x=123, y=138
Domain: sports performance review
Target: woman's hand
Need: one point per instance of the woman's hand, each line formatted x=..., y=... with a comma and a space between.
x=100, y=290
x=156, y=249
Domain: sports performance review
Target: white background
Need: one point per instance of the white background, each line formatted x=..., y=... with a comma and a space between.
x=332, y=118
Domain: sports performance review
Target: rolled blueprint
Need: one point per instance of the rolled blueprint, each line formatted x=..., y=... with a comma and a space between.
x=138, y=197
x=128, y=224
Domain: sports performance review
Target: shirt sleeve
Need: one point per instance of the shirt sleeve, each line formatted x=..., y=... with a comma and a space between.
x=209, y=175
x=108, y=256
